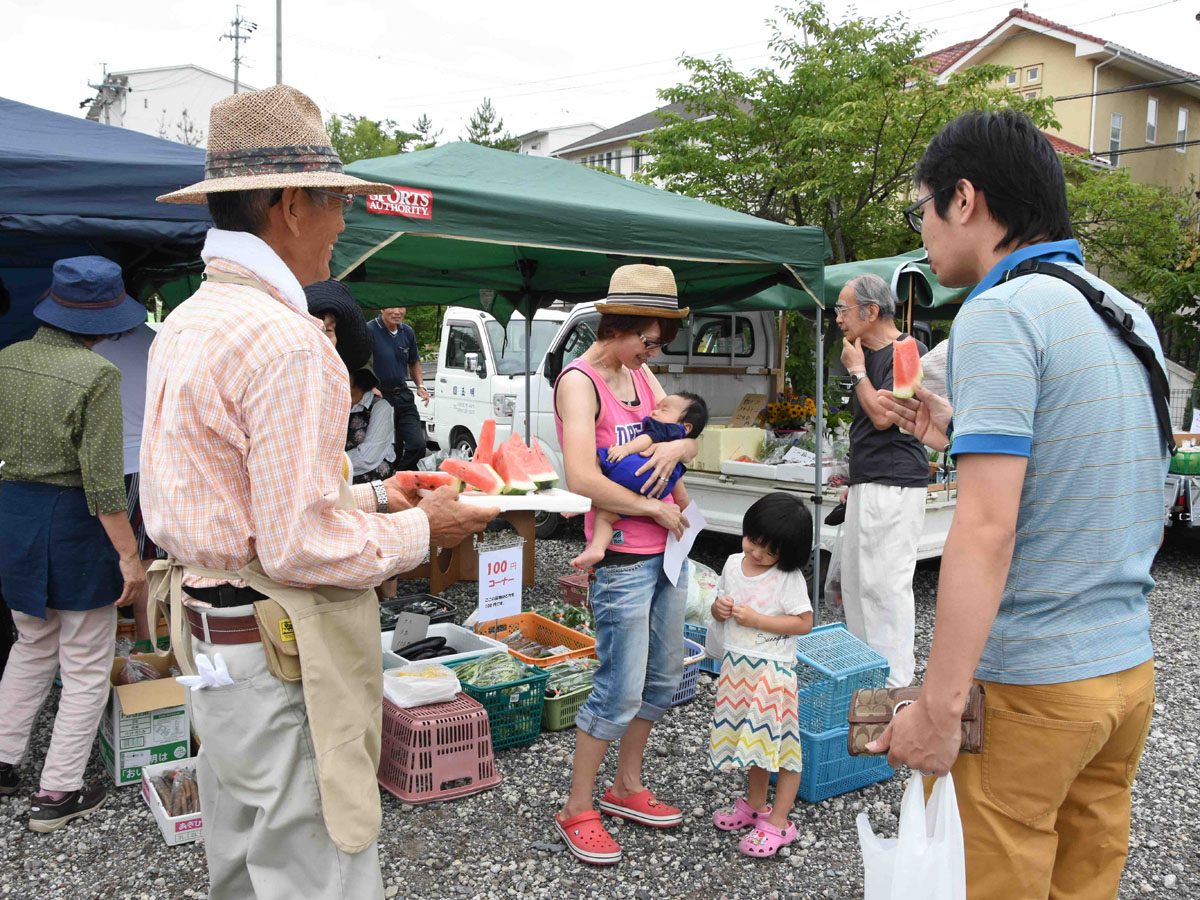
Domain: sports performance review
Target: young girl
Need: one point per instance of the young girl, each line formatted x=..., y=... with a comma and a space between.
x=763, y=602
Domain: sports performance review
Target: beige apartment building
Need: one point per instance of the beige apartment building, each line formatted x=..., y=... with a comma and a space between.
x=1115, y=104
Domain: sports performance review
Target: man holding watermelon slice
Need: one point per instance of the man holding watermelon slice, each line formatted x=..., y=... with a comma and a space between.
x=1060, y=433
x=889, y=471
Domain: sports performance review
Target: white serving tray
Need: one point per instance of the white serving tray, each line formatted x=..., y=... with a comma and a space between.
x=554, y=500
x=782, y=472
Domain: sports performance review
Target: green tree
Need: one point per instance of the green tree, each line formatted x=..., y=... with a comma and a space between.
x=486, y=128
x=357, y=137
x=827, y=135
x=426, y=137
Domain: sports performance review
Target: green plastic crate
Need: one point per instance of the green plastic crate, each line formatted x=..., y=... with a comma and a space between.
x=558, y=713
x=1186, y=462
x=515, y=708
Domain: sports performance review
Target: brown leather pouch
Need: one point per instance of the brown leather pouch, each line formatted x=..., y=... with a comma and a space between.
x=278, y=640
x=871, y=709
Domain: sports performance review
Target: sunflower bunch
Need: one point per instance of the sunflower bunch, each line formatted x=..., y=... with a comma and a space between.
x=789, y=411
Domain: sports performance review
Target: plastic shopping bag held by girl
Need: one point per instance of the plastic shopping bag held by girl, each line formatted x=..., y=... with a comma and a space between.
x=926, y=861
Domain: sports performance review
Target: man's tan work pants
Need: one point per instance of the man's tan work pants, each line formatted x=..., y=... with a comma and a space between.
x=1045, y=806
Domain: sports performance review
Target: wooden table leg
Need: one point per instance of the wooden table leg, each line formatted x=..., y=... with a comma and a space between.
x=448, y=566
x=523, y=521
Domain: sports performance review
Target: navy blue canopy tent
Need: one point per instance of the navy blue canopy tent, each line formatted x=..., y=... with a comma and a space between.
x=70, y=187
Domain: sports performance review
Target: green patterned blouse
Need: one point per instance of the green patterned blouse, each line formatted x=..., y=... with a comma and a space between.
x=60, y=418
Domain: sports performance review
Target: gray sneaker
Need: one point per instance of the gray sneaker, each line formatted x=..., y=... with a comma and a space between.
x=50, y=815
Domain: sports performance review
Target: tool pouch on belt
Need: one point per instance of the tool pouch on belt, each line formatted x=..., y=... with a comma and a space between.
x=871, y=709
x=278, y=639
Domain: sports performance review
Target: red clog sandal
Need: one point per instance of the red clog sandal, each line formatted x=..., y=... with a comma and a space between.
x=588, y=840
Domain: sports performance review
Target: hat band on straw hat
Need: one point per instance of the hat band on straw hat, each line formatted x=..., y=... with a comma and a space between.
x=658, y=301
x=272, y=160
x=84, y=304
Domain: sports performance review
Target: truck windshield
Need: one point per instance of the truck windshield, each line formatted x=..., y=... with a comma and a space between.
x=508, y=344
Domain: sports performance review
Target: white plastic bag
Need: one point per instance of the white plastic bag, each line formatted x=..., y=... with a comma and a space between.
x=419, y=684
x=702, y=591
x=926, y=861
x=833, y=578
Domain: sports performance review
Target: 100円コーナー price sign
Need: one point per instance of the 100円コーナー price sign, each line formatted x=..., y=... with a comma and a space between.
x=500, y=583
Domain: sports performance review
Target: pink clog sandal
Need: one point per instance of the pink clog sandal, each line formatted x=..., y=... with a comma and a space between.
x=740, y=815
x=766, y=839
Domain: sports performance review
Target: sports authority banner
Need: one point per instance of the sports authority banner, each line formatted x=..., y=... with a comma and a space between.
x=413, y=203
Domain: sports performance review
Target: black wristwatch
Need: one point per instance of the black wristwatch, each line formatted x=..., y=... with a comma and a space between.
x=855, y=378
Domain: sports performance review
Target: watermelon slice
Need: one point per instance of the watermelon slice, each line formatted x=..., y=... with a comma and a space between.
x=477, y=475
x=485, y=450
x=543, y=473
x=426, y=481
x=906, y=365
x=509, y=462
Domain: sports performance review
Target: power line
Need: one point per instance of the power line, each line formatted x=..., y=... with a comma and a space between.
x=1145, y=86
x=237, y=37
x=1171, y=146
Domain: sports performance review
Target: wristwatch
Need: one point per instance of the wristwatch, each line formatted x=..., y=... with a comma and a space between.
x=381, y=501
x=855, y=378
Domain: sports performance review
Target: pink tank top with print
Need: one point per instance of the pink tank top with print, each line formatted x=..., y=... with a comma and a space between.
x=617, y=423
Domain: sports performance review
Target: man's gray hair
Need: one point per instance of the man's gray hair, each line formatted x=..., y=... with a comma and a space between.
x=873, y=289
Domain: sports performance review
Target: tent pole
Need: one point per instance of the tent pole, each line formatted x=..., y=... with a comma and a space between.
x=528, y=371
x=818, y=492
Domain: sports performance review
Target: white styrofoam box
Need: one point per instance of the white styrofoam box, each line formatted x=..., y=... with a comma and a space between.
x=782, y=472
x=465, y=642
x=718, y=443
x=175, y=829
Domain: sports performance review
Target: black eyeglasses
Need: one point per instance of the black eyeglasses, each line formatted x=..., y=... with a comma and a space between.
x=651, y=345
x=347, y=199
x=915, y=215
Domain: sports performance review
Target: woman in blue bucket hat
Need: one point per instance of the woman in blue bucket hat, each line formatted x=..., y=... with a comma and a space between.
x=68, y=553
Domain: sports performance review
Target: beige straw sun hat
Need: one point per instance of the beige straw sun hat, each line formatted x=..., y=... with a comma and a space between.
x=273, y=138
x=643, y=290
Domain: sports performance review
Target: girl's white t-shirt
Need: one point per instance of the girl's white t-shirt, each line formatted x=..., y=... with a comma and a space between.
x=773, y=593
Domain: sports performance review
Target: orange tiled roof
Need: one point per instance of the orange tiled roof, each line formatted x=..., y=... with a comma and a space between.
x=1062, y=146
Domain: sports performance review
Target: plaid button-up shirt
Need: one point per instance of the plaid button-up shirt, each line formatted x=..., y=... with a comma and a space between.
x=242, y=449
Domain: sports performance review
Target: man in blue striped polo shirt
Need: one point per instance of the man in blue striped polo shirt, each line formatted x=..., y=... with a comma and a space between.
x=1046, y=569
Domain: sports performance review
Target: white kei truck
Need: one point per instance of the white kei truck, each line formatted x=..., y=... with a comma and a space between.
x=720, y=356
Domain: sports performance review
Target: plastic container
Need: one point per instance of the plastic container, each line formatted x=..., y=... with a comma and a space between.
x=1186, y=462
x=545, y=631
x=575, y=589
x=514, y=708
x=558, y=713
x=829, y=769
x=834, y=664
x=693, y=653
x=699, y=634
x=467, y=645
x=396, y=605
x=437, y=752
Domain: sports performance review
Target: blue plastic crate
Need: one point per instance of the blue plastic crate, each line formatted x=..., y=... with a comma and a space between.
x=830, y=770
x=834, y=664
x=699, y=634
x=692, y=653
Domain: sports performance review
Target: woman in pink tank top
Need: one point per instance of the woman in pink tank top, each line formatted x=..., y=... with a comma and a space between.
x=600, y=400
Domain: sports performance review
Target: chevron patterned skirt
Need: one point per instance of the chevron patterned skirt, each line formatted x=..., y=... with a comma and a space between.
x=754, y=723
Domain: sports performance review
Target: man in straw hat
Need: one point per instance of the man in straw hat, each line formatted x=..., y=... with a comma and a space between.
x=600, y=400
x=273, y=553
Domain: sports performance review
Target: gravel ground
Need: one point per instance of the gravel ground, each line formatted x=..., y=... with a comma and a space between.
x=492, y=845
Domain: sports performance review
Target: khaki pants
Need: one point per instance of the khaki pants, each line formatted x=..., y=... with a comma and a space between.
x=79, y=645
x=1045, y=806
x=264, y=834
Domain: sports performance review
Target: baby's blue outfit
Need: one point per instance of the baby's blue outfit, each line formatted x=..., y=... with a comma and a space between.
x=623, y=472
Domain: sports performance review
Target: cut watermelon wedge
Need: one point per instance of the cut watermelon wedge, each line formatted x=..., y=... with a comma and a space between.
x=477, y=475
x=426, y=481
x=509, y=463
x=906, y=365
x=485, y=450
x=543, y=473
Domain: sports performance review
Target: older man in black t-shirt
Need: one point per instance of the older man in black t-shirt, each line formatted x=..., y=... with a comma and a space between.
x=889, y=471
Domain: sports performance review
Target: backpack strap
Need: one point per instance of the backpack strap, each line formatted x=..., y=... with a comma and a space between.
x=1122, y=322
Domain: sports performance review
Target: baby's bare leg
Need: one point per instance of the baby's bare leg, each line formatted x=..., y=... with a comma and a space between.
x=602, y=535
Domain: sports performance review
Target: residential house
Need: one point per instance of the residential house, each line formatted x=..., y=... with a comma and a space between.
x=545, y=141
x=170, y=102
x=1122, y=106
x=613, y=148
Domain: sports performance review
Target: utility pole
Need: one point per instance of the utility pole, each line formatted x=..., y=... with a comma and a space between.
x=110, y=92
x=279, y=41
x=237, y=37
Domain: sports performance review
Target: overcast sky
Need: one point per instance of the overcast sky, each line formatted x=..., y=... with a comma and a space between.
x=542, y=63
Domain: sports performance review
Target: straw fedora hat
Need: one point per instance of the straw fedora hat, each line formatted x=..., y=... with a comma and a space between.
x=642, y=290
x=273, y=138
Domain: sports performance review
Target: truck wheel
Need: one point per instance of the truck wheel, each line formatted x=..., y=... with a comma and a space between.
x=462, y=442
x=546, y=525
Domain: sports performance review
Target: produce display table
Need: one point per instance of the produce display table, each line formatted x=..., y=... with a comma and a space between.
x=450, y=565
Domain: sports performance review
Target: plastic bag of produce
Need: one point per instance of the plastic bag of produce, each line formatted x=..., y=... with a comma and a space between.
x=833, y=578
x=420, y=684
x=702, y=591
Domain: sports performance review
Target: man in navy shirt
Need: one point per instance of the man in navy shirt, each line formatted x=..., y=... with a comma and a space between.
x=396, y=358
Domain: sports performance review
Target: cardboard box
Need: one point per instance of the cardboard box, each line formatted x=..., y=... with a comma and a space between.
x=144, y=723
x=718, y=443
x=175, y=829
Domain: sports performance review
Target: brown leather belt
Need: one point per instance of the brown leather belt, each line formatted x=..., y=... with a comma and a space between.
x=222, y=629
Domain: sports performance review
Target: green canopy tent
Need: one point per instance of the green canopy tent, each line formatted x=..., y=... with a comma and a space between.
x=910, y=277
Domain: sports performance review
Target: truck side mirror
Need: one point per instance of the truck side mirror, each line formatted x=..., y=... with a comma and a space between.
x=474, y=363
x=553, y=365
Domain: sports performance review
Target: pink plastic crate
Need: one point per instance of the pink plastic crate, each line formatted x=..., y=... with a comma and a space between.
x=437, y=752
